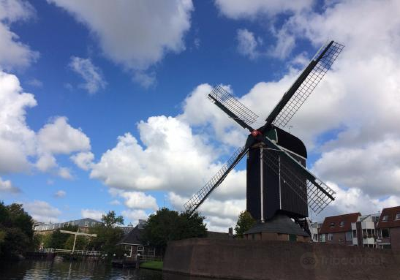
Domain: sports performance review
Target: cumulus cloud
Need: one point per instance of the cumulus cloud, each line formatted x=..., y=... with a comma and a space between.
x=139, y=200
x=20, y=145
x=91, y=74
x=58, y=137
x=7, y=187
x=134, y=215
x=13, y=53
x=17, y=140
x=93, y=214
x=237, y=9
x=60, y=194
x=248, y=43
x=42, y=211
x=134, y=34
x=83, y=160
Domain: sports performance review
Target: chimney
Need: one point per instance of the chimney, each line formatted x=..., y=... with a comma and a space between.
x=230, y=231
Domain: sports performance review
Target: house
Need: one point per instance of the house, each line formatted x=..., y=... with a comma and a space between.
x=337, y=229
x=83, y=225
x=388, y=228
x=314, y=230
x=364, y=231
x=133, y=245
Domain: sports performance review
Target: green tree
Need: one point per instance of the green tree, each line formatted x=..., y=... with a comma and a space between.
x=111, y=219
x=108, y=235
x=81, y=242
x=244, y=223
x=167, y=225
x=16, y=233
x=58, y=239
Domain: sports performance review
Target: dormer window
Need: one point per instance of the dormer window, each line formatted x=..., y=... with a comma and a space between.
x=385, y=218
x=342, y=224
x=332, y=224
x=397, y=216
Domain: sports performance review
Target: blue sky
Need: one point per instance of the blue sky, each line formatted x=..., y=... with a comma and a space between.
x=111, y=110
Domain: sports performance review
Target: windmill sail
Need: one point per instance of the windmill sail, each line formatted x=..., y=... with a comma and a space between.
x=305, y=84
x=233, y=107
x=197, y=199
x=312, y=192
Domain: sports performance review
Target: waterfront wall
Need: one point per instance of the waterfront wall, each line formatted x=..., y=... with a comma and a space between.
x=275, y=260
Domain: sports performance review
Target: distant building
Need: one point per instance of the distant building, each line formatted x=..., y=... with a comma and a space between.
x=389, y=228
x=134, y=246
x=364, y=231
x=83, y=225
x=338, y=230
x=126, y=229
x=314, y=229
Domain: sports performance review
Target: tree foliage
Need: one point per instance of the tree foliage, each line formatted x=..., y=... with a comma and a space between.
x=111, y=219
x=167, y=225
x=16, y=232
x=244, y=223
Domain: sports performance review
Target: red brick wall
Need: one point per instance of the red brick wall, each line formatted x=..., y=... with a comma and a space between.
x=395, y=238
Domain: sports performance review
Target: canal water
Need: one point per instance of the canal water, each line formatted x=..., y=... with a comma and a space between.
x=38, y=270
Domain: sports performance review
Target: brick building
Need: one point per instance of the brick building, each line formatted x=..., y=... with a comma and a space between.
x=388, y=228
x=364, y=231
x=337, y=229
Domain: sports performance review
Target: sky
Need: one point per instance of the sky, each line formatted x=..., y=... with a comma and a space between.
x=103, y=104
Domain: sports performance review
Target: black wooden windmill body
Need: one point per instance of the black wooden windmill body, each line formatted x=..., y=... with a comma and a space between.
x=278, y=182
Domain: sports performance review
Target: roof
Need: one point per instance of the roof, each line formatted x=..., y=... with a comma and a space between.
x=340, y=223
x=86, y=222
x=391, y=218
x=278, y=224
x=133, y=237
x=218, y=235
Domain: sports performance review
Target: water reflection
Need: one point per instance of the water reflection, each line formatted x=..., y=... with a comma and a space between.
x=35, y=270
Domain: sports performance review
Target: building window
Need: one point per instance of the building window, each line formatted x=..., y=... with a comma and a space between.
x=385, y=233
x=385, y=218
x=398, y=216
x=332, y=224
x=354, y=233
x=342, y=224
x=330, y=236
x=349, y=236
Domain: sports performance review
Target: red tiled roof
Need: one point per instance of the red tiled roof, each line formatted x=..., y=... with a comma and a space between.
x=336, y=221
x=391, y=219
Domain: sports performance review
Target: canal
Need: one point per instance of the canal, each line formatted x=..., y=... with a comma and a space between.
x=38, y=270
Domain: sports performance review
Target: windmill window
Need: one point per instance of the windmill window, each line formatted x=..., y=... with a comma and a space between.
x=342, y=223
x=385, y=218
x=398, y=216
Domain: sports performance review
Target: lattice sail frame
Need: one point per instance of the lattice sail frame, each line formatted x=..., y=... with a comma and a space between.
x=298, y=183
x=309, y=84
x=234, y=105
x=197, y=199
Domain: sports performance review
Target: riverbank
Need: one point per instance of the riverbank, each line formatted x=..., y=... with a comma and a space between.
x=154, y=265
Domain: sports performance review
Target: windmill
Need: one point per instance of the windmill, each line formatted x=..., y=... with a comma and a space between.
x=278, y=183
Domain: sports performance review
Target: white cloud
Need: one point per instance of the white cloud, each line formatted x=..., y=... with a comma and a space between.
x=65, y=173
x=60, y=194
x=42, y=211
x=134, y=215
x=83, y=160
x=139, y=200
x=7, y=187
x=35, y=83
x=248, y=43
x=134, y=34
x=46, y=162
x=17, y=140
x=58, y=137
x=13, y=53
x=91, y=74
x=115, y=202
x=93, y=214
x=236, y=9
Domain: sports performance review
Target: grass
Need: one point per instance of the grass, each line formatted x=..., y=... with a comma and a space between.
x=156, y=265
